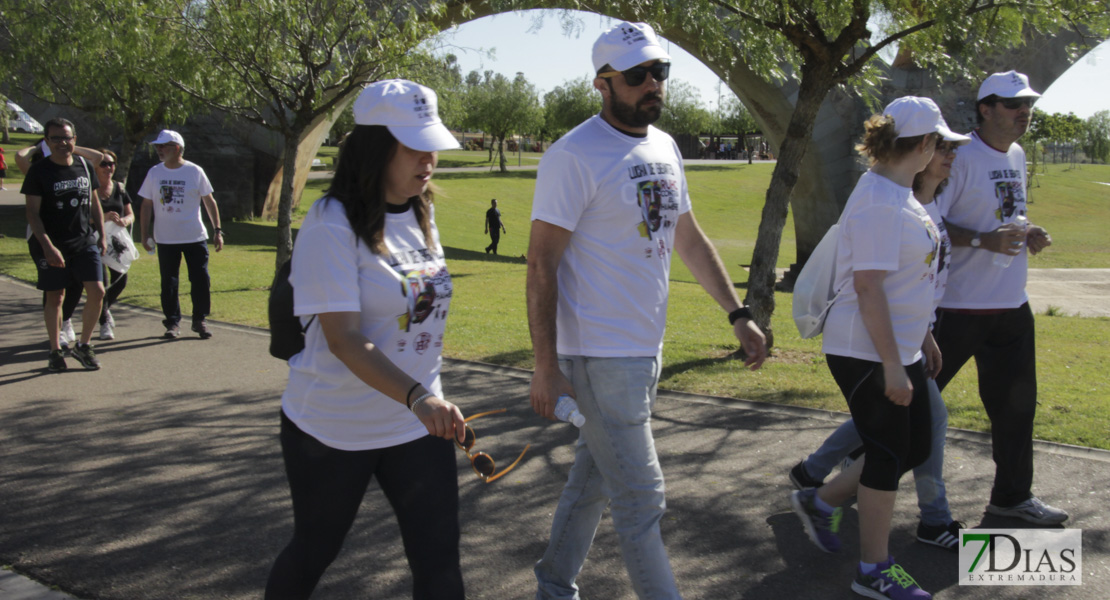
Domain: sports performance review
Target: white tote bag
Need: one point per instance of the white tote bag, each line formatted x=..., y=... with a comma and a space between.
x=813, y=290
x=121, y=249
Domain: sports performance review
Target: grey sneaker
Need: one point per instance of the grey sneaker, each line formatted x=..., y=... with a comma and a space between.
x=85, y=355
x=1032, y=510
x=63, y=345
x=106, y=331
x=201, y=328
x=172, y=332
x=57, y=362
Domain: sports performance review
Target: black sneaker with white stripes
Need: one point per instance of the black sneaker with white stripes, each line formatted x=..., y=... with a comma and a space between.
x=945, y=536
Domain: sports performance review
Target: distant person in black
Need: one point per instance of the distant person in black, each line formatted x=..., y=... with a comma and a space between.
x=67, y=227
x=494, y=226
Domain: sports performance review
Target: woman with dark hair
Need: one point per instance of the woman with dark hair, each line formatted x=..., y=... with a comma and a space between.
x=116, y=204
x=364, y=398
x=876, y=336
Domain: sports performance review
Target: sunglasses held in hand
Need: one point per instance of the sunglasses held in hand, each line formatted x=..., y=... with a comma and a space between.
x=481, y=462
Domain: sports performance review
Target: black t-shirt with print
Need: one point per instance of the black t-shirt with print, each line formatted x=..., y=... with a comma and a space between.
x=66, y=208
x=116, y=200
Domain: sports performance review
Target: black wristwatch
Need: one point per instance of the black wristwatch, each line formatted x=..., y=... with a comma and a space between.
x=741, y=313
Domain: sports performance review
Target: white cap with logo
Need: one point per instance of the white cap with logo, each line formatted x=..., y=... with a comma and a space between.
x=915, y=116
x=408, y=110
x=1010, y=84
x=627, y=45
x=169, y=136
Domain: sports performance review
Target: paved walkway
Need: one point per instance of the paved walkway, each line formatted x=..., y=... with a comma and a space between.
x=159, y=476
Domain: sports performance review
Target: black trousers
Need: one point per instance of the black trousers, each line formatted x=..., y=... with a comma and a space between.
x=895, y=438
x=420, y=480
x=1004, y=348
x=169, y=265
x=494, y=239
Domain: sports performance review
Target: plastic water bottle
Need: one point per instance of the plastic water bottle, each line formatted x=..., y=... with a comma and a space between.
x=153, y=247
x=1003, y=260
x=566, y=409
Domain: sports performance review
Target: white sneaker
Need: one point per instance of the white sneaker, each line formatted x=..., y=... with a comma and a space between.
x=106, y=332
x=67, y=331
x=108, y=316
x=1032, y=510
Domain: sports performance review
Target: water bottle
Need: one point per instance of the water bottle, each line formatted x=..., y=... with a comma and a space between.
x=153, y=247
x=566, y=409
x=1003, y=260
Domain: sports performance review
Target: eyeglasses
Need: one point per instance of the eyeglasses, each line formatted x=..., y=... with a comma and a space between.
x=944, y=147
x=58, y=139
x=481, y=462
x=636, y=75
x=1016, y=103
x=107, y=164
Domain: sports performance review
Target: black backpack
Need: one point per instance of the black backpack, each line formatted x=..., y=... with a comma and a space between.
x=286, y=332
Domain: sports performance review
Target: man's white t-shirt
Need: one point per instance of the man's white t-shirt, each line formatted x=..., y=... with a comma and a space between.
x=176, y=195
x=884, y=228
x=621, y=197
x=985, y=190
x=402, y=297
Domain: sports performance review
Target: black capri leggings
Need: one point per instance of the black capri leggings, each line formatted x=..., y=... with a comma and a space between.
x=895, y=438
x=420, y=479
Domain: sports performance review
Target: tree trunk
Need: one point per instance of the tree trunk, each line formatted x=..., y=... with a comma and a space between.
x=501, y=153
x=285, y=204
x=761, y=280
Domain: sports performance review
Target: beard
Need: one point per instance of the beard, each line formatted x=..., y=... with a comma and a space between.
x=637, y=115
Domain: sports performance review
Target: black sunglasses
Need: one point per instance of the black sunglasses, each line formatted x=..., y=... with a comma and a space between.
x=636, y=75
x=107, y=163
x=1016, y=103
x=481, y=462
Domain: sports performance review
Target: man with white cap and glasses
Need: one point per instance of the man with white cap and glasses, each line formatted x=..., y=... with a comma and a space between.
x=175, y=189
x=610, y=208
x=985, y=311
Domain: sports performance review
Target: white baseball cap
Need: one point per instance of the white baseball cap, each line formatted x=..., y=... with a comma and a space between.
x=1010, y=84
x=627, y=45
x=169, y=136
x=915, y=116
x=408, y=110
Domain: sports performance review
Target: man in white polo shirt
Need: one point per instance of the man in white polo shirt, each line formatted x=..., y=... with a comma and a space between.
x=611, y=207
x=985, y=311
x=175, y=190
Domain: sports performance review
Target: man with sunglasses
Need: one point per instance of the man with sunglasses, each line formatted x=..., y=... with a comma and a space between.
x=611, y=206
x=985, y=311
x=67, y=241
x=175, y=189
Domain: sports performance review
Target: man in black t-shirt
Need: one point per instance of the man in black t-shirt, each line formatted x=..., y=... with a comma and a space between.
x=494, y=226
x=67, y=226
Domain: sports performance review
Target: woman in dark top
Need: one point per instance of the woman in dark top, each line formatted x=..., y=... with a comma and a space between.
x=117, y=209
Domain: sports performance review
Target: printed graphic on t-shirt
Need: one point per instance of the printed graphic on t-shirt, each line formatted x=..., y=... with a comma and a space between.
x=79, y=190
x=172, y=195
x=1009, y=195
x=425, y=286
x=657, y=200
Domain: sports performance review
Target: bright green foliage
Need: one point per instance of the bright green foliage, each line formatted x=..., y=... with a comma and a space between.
x=735, y=118
x=110, y=58
x=684, y=111
x=1096, y=136
x=502, y=107
x=568, y=105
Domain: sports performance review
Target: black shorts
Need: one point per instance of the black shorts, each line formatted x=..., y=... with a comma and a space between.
x=80, y=266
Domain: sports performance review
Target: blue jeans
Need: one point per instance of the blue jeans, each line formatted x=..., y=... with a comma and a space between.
x=928, y=477
x=614, y=462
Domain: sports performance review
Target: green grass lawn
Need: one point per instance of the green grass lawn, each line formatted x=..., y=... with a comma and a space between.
x=489, y=321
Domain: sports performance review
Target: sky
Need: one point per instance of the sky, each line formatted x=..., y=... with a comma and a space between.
x=548, y=57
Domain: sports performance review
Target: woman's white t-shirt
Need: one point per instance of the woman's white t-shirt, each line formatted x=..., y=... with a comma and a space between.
x=884, y=228
x=944, y=258
x=403, y=298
